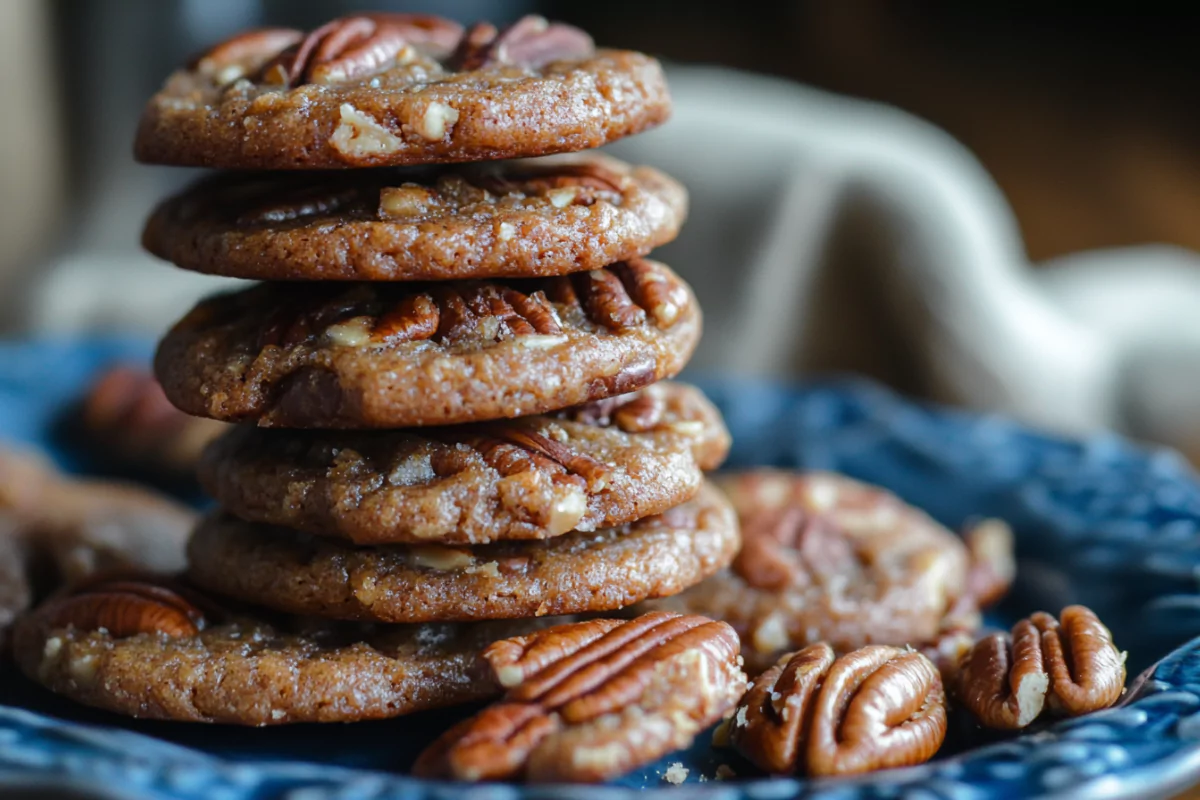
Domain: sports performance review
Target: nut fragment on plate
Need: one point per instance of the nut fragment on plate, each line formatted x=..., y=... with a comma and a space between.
x=592, y=700
x=878, y=707
x=1070, y=668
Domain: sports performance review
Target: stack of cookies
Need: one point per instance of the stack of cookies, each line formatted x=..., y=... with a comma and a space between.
x=450, y=383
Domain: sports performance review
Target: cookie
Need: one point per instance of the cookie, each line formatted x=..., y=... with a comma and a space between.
x=574, y=573
x=591, y=700
x=128, y=422
x=511, y=219
x=826, y=558
x=74, y=528
x=603, y=464
x=149, y=648
x=374, y=90
x=379, y=355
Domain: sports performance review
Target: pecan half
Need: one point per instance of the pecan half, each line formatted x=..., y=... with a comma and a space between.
x=529, y=42
x=561, y=184
x=875, y=708
x=653, y=290
x=607, y=301
x=1007, y=681
x=355, y=47
x=591, y=700
x=789, y=546
x=595, y=473
x=126, y=606
x=234, y=58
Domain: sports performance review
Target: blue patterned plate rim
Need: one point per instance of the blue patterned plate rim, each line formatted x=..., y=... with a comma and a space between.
x=1099, y=521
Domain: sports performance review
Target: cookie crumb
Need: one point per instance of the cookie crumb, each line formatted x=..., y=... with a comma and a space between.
x=676, y=773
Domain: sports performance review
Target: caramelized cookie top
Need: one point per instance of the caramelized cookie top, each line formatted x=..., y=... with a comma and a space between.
x=391, y=89
x=524, y=218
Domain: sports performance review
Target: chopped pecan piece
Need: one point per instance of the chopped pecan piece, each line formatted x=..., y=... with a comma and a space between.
x=591, y=700
x=875, y=708
x=529, y=42
x=1007, y=681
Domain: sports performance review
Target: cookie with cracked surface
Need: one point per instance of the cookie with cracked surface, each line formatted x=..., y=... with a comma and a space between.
x=387, y=355
x=826, y=558
x=515, y=219
x=570, y=574
x=602, y=464
x=373, y=90
x=149, y=647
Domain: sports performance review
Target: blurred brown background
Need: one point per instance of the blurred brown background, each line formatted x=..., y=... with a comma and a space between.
x=1083, y=113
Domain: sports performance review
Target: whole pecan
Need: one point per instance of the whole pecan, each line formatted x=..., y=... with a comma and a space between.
x=591, y=700
x=355, y=47
x=1007, y=681
x=127, y=605
x=875, y=708
x=529, y=42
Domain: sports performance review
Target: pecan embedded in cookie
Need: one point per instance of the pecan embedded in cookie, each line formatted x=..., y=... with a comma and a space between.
x=507, y=219
x=143, y=647
x=592, y=700
x=391, y=89
x=830, y=559
x=396, y=355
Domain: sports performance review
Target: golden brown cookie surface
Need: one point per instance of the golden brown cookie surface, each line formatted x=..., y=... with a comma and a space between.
x=391, y=89
x=148, y=648
x=504, y=219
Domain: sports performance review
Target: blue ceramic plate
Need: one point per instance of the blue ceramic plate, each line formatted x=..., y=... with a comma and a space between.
x=1099, y=522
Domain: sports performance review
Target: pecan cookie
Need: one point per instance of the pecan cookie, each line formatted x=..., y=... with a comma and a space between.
x=574, y=573
x=73, y=528
x=602, y=464
x=377, y=355
x=374, y=90
x=826, y=558
x=128, y=419
x=504, y=219
x=592, y=700
x=148, y=647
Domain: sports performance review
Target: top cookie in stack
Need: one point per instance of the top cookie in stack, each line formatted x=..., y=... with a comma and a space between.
x=475, y=348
